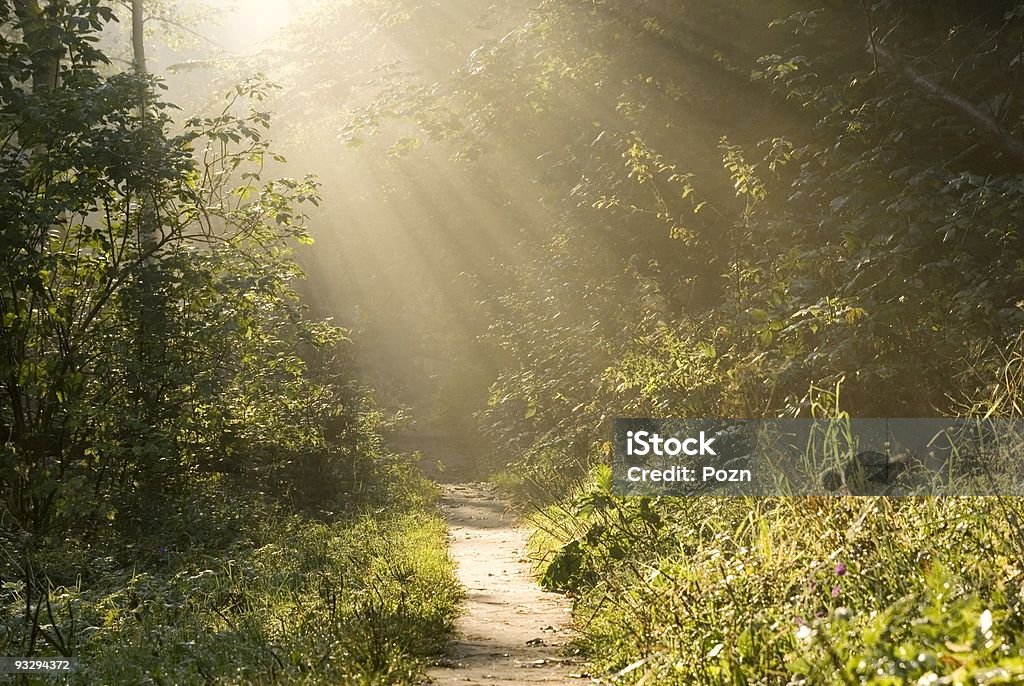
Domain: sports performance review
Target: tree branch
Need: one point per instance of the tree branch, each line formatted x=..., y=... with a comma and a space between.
x=1010, y=144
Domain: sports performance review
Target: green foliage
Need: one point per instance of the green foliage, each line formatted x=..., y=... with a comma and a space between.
x=940, y=634
x=150, y=328
x=773, y=591
x=733, y=223
x=248, y=592
x=744, y=204
x=188, y=464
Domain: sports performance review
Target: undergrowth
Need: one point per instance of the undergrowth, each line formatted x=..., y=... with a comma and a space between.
x=791, y=591
x=241, y=589
x=804, y=590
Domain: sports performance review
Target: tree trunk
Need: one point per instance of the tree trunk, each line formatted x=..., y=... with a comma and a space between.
x=138, y=39
x=139, y=48
x=46, y=50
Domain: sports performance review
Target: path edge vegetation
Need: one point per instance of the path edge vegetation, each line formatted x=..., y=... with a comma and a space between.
x=195, y=488
x=863, y=259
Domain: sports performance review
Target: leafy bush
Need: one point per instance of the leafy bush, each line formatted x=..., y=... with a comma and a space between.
x=355, y=601
x=193, y=487
x=775, y=591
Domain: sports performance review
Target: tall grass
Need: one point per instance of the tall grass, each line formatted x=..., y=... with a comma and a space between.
x=791, y=590
x=273, y=597
x=803, y=590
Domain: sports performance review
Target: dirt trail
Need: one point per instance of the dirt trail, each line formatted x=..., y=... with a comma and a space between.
x=511, y=632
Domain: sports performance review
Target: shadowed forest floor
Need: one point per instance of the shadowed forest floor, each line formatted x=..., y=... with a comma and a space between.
x=510, y=632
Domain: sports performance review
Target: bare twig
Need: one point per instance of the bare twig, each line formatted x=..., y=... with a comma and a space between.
x=1010, y=144
x=871, y=34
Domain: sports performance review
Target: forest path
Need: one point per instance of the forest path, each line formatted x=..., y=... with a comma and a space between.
x=511, y=632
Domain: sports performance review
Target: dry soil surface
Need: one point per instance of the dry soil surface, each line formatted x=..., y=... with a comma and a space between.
x=511, y=632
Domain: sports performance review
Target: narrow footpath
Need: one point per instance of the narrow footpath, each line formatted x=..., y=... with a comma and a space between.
x=511, y=632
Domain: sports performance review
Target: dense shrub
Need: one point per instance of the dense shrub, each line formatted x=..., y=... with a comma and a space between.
x=776, y=591
x=193, y=486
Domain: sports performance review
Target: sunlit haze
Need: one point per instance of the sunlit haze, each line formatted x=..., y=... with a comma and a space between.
x=633, y=342
x=242, y=26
